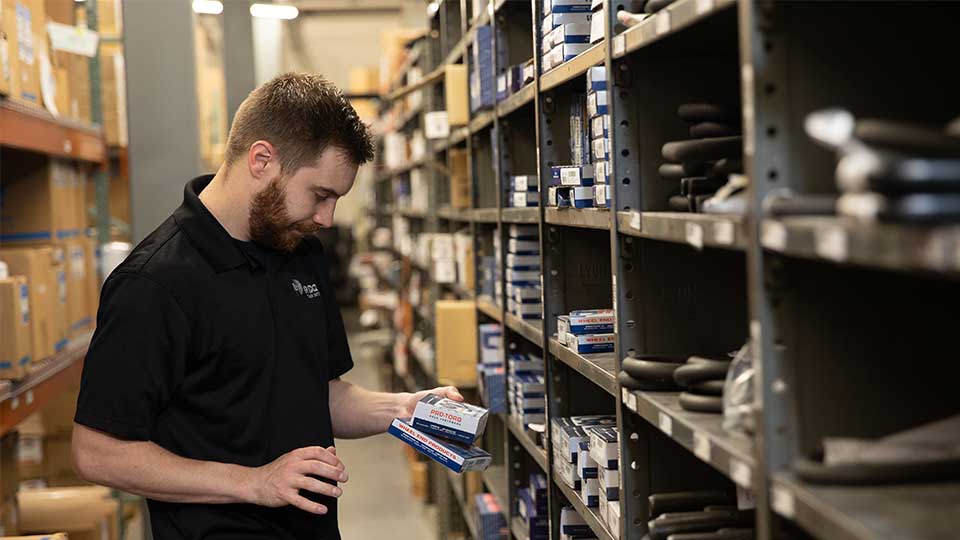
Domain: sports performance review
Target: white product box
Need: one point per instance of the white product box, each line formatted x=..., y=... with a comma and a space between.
x=601, y=148
x=590, y=343
x=556, y=19
x=600, y=126
x=577, y=176
x=523, y=262
x=563, y=328
x=567, y=51
x=444, y=271
x=572, y=523
x=590, y=492
x=456, y=457
x=609, y=483
x=442, y=247
x=528, y=309
x=525, y=199
x=597, y=103
x=491, y=338
x=527, y=295
x=436, y=125
x=524, y=276
x=524, y=183
x=568, y=473
x=582, y=197
x=523, y=232
x=600, y=173
x=569, y=33
x=591, y=321
x=597, y=78
x=529, y=72
x=613, y=518
x=454, y=420
x=600, y=195
x=523, y=247
x=603, y=508
x=586, y=466
x=566, y=6
x=597, y=27
x=603, y=446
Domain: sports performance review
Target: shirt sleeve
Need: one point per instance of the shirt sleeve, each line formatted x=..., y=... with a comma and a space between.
x=135, y=360
x=339, y=350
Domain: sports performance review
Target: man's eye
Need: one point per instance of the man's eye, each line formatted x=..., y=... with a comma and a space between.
x=319, y=198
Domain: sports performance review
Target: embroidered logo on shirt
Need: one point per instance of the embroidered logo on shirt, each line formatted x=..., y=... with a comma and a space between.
x=311, y=290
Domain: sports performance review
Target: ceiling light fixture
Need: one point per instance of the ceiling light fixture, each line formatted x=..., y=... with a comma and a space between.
x=274, y=11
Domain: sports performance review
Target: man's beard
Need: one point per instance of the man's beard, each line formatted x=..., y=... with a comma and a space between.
x=271, y=226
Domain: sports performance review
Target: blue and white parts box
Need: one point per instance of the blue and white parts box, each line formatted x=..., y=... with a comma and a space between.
x=491, y=338
x=600, y=126
x=591, y=321
x=609, y=483
x=454, y=456
x=559, y=196
x=567, y=33
x=603, y=446
x=526, y=363
x=437, y=415
x=523, y=262
x=565, y=52
x=491, y=525
x=601, y=172
x=601, y=148
x=525, y=294
x=597, y=78
x=525, y=199
x=527, y=182
x=554, y=20
x=586, y=466
x=523, y=276
x=572, y=176
x=590, y=343
x=568, y=473
x=597, y=103
x=597, y=26
x=590, y=492
x=600, y=199
x=582, y=197
x=524, y=232
x=523, y=247
x=526, y=311
x=529, y=384
x=566, y=6
x=572, y=523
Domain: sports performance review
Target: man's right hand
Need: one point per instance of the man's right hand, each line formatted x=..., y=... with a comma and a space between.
x=278, y=483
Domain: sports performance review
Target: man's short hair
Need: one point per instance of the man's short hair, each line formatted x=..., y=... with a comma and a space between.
x=300, y=114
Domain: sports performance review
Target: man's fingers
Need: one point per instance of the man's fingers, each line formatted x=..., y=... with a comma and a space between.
x=325, y=470
x=316, y=486
x=318, y=453
x=451, y=392
x=332, y=450
x=305, y=504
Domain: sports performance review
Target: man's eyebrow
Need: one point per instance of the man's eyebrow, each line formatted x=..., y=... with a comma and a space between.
x=326, y=192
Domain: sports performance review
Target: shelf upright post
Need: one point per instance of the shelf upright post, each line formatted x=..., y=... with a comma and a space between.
x=763, y=85
x=625, y=252
x=100, y=180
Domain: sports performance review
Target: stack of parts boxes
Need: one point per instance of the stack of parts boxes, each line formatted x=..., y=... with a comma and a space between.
x=463, y=251
x=605, y=454
x=482, y=76
x=525, y=191
x=445, y=431
x=532, y=507
x=571, y=186
x=492, y=373
x=524, y=292
x=490, y=275
x=509, y=82
x=491, y=525
x=526, y=389
x=444, y=264
x=567, y=436
x=572, y=525
x=587, y=331
x=598, y=112
x=574, y=17
x=598, y=22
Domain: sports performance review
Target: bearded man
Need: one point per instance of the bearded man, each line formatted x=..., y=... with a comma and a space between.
x=212, y=384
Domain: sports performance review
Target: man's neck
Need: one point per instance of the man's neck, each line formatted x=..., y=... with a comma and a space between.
x=228, y=203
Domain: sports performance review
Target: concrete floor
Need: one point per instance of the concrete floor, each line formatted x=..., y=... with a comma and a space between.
x=377, y=502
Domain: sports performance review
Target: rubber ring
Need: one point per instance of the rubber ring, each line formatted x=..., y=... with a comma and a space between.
x=696, y=403
x=689, y=374
x=707, y=388
x=708, y=112
x=907, y=137
x=629, y=382
x=713, y=129
x=672, y=172
x=647, y=370
x=710, y=149
x=816, y=472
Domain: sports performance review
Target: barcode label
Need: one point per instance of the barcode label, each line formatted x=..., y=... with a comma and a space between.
x=774, y=236
x=704, y=6
x=740, y=473
x=694, y=233
x=619, y=45
x=831, y=243
x=701, y=446
x=723, y=233
x=662, y=22
x=783, y=502
x=665, y=423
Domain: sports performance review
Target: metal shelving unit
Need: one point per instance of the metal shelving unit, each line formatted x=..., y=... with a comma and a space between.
x=820, y=299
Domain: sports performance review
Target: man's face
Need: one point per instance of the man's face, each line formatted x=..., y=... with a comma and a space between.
x=292, y=206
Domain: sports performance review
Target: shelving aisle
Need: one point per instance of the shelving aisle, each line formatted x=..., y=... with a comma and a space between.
x=831, y=307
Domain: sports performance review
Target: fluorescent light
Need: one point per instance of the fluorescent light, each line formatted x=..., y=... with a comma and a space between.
x=274, y=11
x=208, y=7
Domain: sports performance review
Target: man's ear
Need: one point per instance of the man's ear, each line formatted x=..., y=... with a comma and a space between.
x=262, y=161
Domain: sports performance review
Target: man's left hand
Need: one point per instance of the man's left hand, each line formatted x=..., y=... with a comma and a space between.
x=449, y=392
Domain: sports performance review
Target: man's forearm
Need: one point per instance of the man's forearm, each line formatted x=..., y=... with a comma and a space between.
x=357, y=412
x=146, y=469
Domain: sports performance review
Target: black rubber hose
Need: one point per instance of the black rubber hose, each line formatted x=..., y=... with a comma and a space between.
x=925, y=141
x=692, y=373
x=671, y=171
x=708, y=112
x=690, y=522
x=679, y=203
x=649, y=370
x=873, y=474
x=710, y=149
x=648, y=386
x=727, y=166
x=713, y=129
x=697, y=403
x=707, y=388
x=722, y=534
x=686, y=501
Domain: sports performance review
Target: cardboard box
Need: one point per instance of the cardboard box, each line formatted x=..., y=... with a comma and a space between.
x=75, y=265
x=57, y=415
x=27, y=32
x=460, y=195
x=38, y=199
x=456, y=342
x=457, y=421
x=454, y=456
x=9, y=517
x=114, y=93
x=62, y=12
x=16, y=347
x=456, y=94
x=43, y=270
x=590, y=343
x=93, y=279
x=9, y=62
x=591, y=321
x=87, y=512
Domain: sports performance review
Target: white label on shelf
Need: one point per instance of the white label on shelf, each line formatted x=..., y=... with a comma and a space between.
x=625, y=396
x=701, y=446
x=633, y=402
x=635, y=220
x=723, y=233
x=745, y=500
x=15, y=404
x=694, y=233
x=662, y=22
x=29, y=397
x=614, y=287
x=831, y=243
x=619, y=45
x=746, y=81
x=704, y=6
x=783, y=502
x=665, y=423
x=774, y=236
x=740, y=473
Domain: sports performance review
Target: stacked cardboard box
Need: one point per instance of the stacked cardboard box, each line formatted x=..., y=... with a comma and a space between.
x=83, y=512
x=523, y=278
x=526, y=389
x=532, y=507
x=482, y=75
x=567, y=435
x=525, y=191
x=445, y=431
x=573, y=526
x=456, y=342
x=492, y=373
x=598, y=112
x=565, y=30
x=16, y=347
x=46, y=290
x=587, y=331
x=605, y=453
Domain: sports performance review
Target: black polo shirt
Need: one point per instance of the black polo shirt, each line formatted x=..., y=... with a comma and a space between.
x=217, y=350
